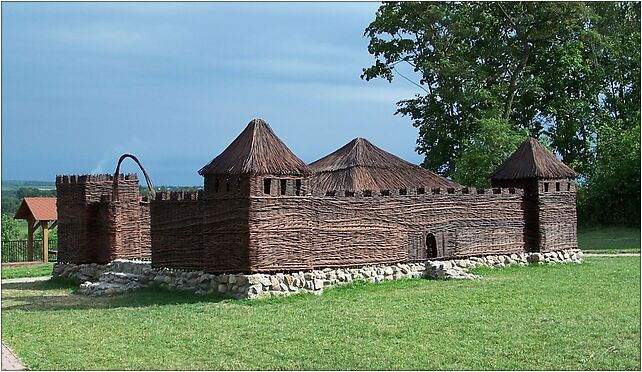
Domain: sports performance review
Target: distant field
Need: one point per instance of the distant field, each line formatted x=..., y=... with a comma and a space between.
x=609, y=239
x=12, y=185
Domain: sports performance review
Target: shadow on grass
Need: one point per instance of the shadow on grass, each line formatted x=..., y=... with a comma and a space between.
x=47, y=296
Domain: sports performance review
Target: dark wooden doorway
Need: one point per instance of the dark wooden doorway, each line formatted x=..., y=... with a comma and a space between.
x=431, y=246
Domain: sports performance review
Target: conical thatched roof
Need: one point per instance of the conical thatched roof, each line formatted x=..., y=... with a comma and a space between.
x=532, y=160
x=257, y=150
x=360, y=165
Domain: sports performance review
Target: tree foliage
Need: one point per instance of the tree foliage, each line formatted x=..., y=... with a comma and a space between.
x=10, y=230
x=493, y=141
x=566, y=71
x=556, y=69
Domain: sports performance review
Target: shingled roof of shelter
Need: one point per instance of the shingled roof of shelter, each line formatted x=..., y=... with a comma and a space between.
x=532, y=160
x=257, y=150
x=360, y=165
x=41, y=208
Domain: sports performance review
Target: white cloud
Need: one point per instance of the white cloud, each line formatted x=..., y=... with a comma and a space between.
x=114, y=37
x=108, y=159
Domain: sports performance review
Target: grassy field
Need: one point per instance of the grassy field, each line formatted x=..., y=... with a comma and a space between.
x=27, y=271
x=583, y=317
x=609, y=239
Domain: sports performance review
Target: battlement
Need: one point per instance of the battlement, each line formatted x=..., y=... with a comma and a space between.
x=86, y=178
x=180, y=195
x=419, y=191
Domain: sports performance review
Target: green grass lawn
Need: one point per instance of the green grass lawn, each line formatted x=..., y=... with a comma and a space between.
x=609, y=239
x=27, y=271
x=576, y=316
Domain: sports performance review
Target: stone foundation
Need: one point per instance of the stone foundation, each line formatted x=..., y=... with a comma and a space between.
x=122, y=276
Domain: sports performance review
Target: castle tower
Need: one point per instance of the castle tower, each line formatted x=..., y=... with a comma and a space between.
x=92, y=228
x=256, y=163
x=257, y=168
x=549, y=195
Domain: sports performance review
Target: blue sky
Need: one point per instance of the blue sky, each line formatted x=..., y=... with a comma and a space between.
x=176, y=83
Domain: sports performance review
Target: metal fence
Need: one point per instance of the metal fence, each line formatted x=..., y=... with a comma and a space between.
x=16, y=250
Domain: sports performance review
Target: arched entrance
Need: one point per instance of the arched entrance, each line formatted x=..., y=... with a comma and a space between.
x=431, y=246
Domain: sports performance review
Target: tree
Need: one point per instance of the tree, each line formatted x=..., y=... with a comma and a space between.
x=612, y=191
x=10, y=229
x=559, y=69
x=493, y=141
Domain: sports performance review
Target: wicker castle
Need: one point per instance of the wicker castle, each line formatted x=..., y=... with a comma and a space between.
x=262, y=209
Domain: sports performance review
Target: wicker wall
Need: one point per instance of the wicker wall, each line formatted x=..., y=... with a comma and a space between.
x=557, y=215
x=177, y=230
x=303, y=233
x=192, y=232
x=338, y=228
x=92, y=228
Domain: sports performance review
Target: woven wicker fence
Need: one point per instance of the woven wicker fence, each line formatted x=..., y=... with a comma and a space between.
x=337, y=228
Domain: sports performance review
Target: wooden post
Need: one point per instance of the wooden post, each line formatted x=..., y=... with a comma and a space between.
x=45, y=241
x=30, y=231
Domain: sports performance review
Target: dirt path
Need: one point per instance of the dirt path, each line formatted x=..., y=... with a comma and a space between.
x=26, y=280
x=611, y=254
x=10, y=361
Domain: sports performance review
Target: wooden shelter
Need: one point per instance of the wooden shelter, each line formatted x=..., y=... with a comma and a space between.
x=39, y=212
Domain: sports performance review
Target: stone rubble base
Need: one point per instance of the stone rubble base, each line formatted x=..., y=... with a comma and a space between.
x=122, y=276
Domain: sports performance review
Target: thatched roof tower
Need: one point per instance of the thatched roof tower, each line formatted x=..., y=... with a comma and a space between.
x=256, y=151
x=532, y=161
x=360, y=165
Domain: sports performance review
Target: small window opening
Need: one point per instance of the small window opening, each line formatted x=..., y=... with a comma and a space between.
x=330, y=193
x=451, y=190
x=349, y=193
x=227, y=184
x=568, y=186
x=284, y=184
x=297, y=186
x=216, y=185
x=367, y=193
x=403, y=191
x=267, y=185
x=238, y=184
x=465, y=190
x=436, y=190
x=511, y=190
x=557, y=186
x=545, y=186
x=385, y=192
x=481, y=191
x=497, y=190
x=421, y=190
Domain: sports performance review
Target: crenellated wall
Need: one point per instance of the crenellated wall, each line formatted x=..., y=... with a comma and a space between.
x=331, y=229
x=269, y=231
x=190, y=231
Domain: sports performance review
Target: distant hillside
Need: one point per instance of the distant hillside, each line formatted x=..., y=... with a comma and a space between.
x=16, y=184
x=13, y=191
